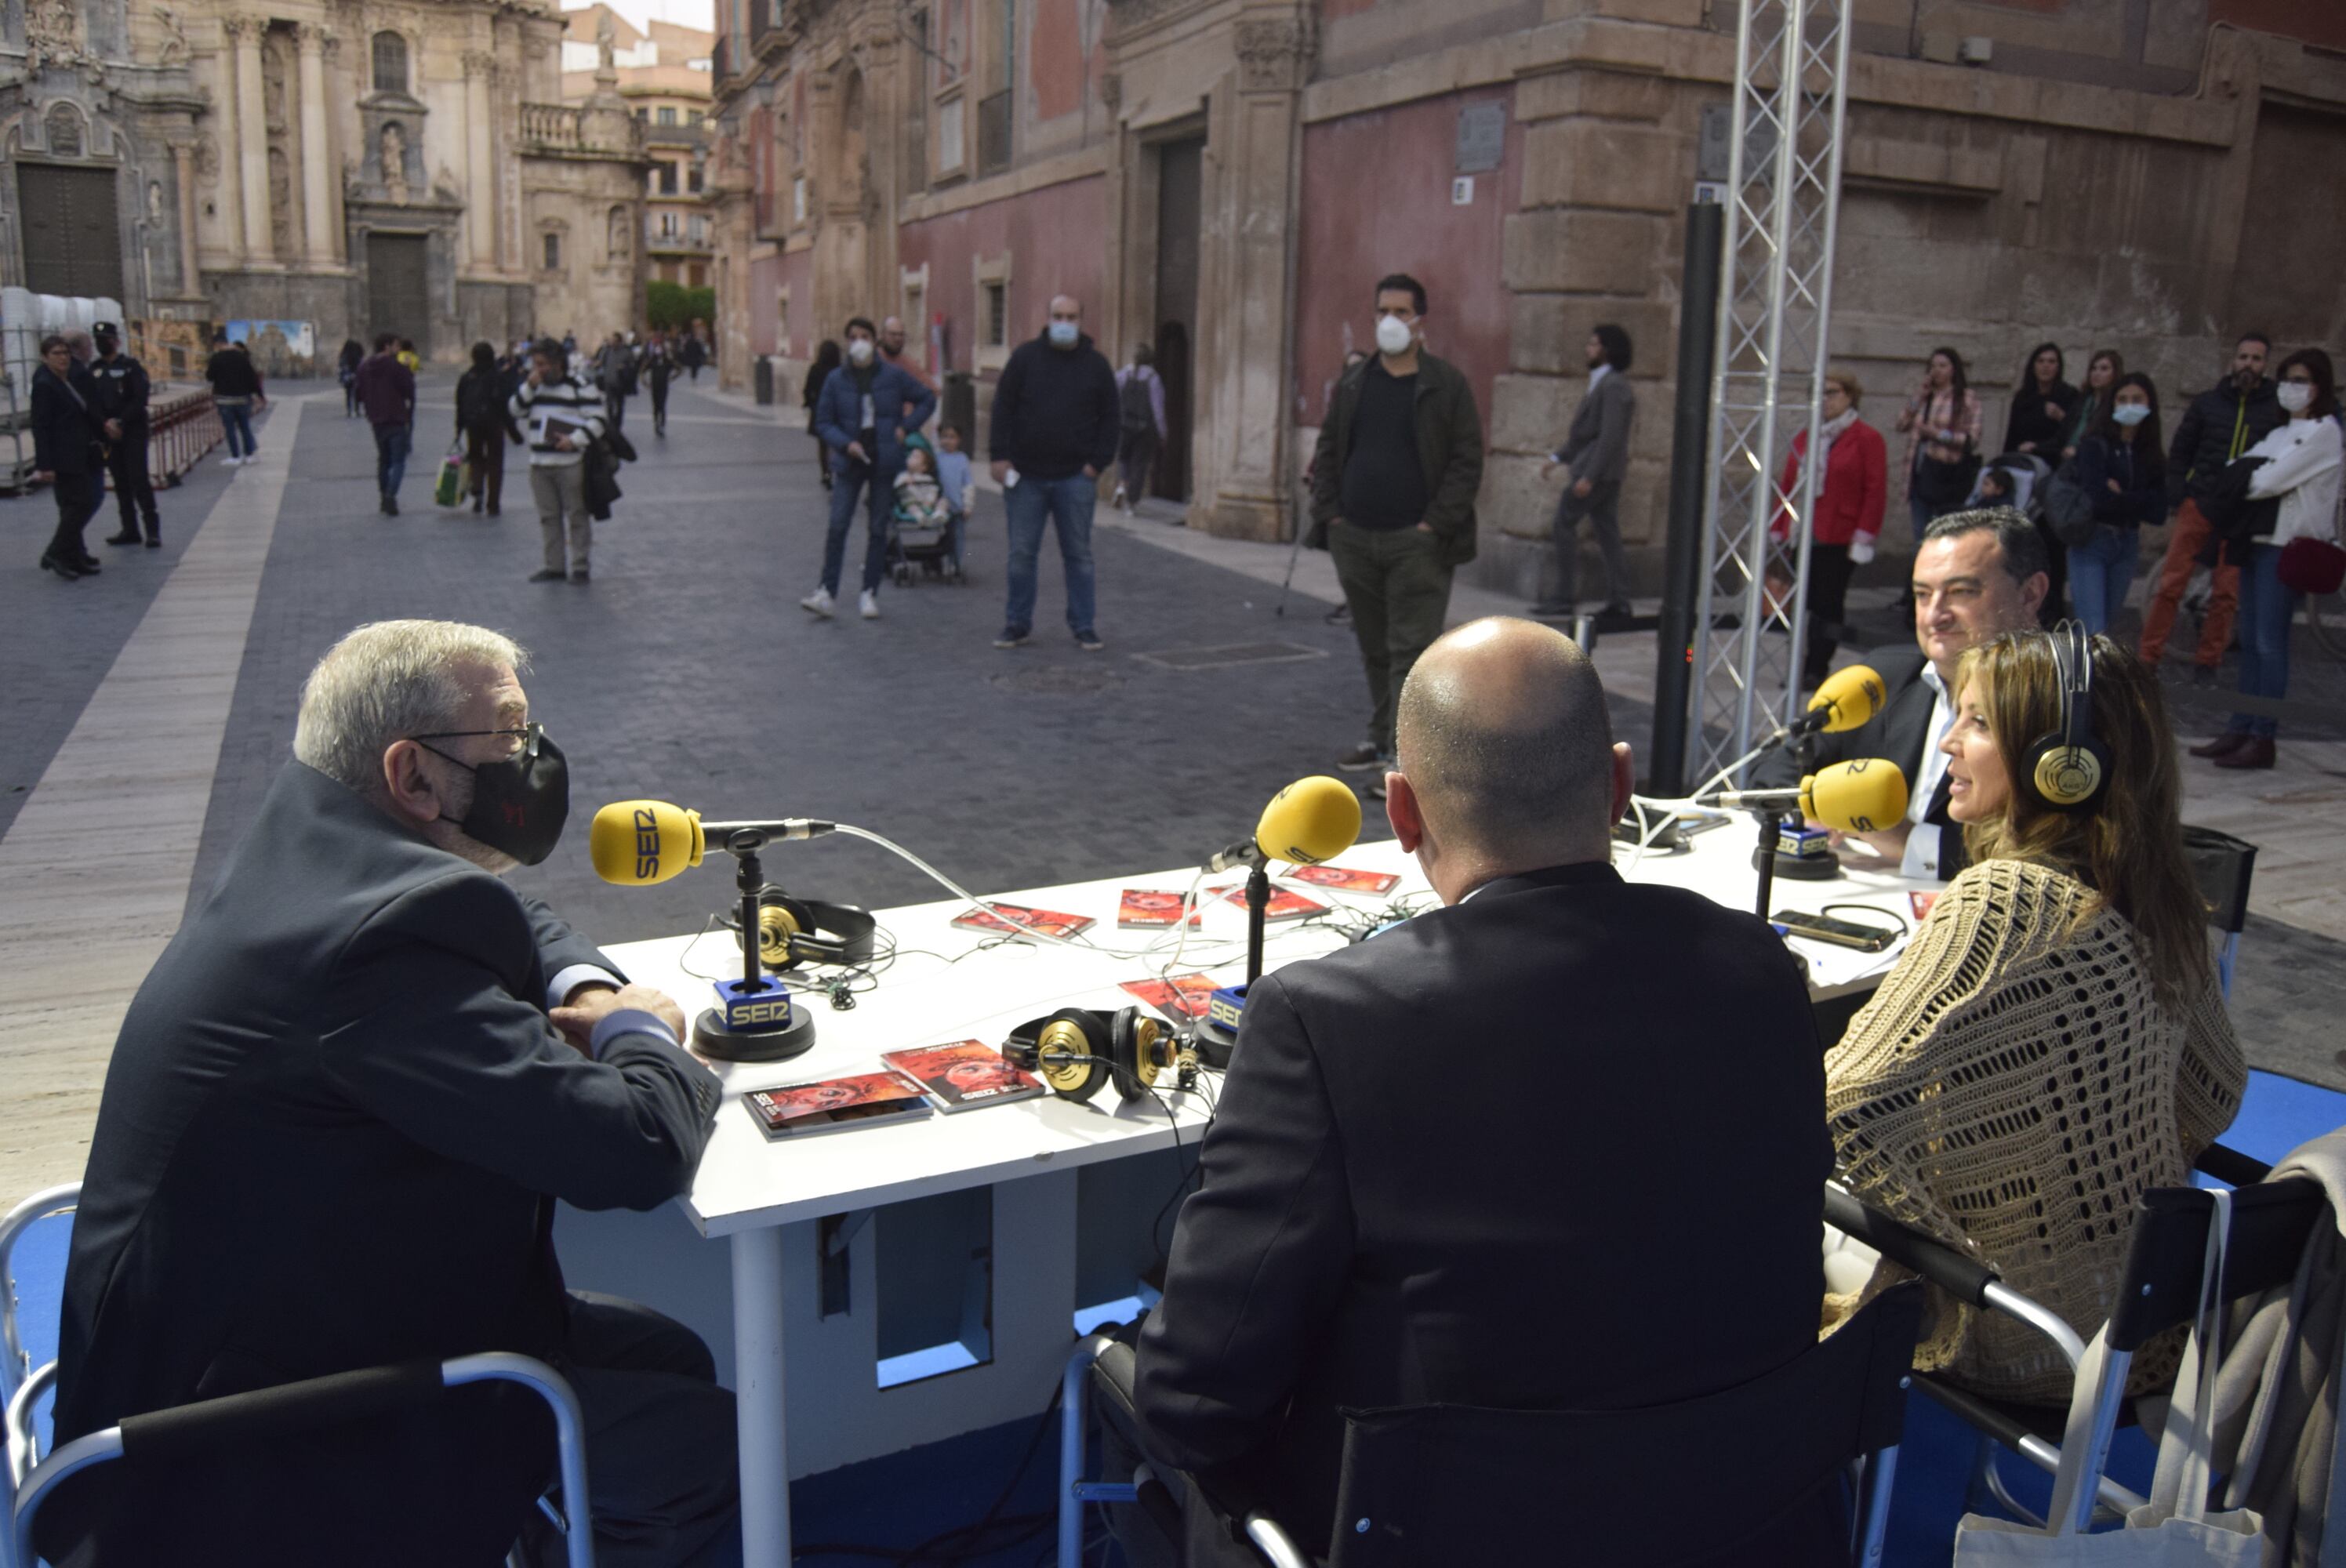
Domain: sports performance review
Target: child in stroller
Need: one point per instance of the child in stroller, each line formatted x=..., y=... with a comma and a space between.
x=2018, y=480
x=920, y=529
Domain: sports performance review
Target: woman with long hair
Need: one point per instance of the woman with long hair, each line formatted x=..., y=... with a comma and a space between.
x=826, y=359
x=480, y=426
x=1942, y=427
x=2103, y=372
x=2302, y=467
x=2042, y=402
x=2052, y=1043
x=2122, y=465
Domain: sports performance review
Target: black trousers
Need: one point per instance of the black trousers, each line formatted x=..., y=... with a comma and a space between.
x=485, y=455
x=661, y=1453
x=659, y=405
x=134, y=492
x=1828, y=572
x=80, y=495
x=615, y=403
x=1135, y=454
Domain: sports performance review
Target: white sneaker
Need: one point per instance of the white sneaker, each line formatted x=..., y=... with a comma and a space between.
x=870, y=605
x=230, y=462
x=1117, y=499
x=818, y=603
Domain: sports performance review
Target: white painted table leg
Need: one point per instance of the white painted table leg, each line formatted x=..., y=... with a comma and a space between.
x=757, y=1398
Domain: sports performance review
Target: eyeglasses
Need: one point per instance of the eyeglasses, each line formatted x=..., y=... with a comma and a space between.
x=530, y=735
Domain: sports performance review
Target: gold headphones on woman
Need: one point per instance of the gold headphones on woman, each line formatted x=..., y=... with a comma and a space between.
x=2068, y=769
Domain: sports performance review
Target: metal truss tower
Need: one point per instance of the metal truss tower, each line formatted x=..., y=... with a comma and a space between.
x=1775, y=310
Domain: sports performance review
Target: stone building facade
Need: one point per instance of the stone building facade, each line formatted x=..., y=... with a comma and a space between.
x=361, y=164
x=663, y=78
x=1227, y=179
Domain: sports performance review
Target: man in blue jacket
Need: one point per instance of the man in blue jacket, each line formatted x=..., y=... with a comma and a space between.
x=1055, y=430
x=866, y=408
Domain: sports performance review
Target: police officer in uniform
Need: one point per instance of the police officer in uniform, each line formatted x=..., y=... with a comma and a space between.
x=122, y=390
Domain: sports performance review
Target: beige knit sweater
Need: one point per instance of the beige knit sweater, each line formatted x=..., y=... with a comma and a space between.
x=2012, y=1087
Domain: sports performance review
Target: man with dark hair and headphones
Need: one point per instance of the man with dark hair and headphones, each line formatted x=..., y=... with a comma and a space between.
x=1978, y=574
x=1397, y=1206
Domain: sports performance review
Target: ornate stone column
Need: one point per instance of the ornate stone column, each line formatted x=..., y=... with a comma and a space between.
x=317, y=149
x=183, y=179
x=1247, y=297
x=481, y=186
x=251, y=135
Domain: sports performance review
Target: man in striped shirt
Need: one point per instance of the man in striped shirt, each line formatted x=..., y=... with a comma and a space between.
x=560, y=417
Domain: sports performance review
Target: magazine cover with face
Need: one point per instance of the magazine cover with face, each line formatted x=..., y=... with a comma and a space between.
x=1182, y=996
x=1343, y=879
x=867, y=1099
x=964, y=1075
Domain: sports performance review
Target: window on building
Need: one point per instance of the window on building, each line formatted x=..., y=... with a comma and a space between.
x=554, y=252
x=389, y=63
x=644, y=116
x=696, y=180
x=667, y=180
x=997, y=315
x=695, y=117
x=697, y=227
x=668, y=225
x=798, y=199
x=667, y=114
x=695, y=275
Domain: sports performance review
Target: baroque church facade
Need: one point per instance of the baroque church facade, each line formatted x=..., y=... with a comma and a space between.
x=364, y=165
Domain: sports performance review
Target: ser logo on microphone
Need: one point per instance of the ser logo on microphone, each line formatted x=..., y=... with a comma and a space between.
x=647, y=845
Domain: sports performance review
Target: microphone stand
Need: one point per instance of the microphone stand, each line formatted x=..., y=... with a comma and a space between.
x=756, y=1021
x=1771, y=833
x=1258, y=898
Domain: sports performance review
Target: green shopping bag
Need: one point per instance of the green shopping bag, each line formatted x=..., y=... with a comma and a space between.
x=451, y=488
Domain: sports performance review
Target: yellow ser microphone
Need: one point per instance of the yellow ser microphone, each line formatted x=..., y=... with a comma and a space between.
x=1862, y=795
x=1843, y=700
x=642, y=843
x=1311, y=820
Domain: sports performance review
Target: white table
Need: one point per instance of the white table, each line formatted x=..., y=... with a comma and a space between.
x=749, y=1188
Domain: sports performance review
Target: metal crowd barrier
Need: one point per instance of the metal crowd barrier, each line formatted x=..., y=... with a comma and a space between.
x=181, y=427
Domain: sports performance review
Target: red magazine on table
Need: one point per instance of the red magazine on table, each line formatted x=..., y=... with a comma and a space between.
x=1182, y=996
x=1147, y=909
x=1284, y=904
x=1344, y=879
x=865, y=1100
x=964, y=1075
x=1049, y=922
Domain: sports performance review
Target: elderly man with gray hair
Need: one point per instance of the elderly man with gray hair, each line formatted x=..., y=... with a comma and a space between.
x=1444, y=1157
x=337, y=1118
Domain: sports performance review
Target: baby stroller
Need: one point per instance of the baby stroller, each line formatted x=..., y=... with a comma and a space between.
x=923, y=546
x=2015, y=480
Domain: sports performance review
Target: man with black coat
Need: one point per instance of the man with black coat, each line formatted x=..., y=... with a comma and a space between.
x=335, y=1124
x=1393, y=480
x=1978, y=575
x=68, y=450
x=2221, y=424
x=1054, y=434
x=122, y=394
x=1484, y=1158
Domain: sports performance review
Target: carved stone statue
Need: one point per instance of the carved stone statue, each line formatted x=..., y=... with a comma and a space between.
x=173, y=50
x=607, y=42
x=393, y=145
x=622, y=238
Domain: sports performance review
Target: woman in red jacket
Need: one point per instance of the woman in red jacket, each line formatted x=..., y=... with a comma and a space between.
x=1850, y=496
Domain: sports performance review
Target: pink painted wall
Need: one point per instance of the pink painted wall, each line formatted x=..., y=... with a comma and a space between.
x=1376, y=199
x=1056, y=238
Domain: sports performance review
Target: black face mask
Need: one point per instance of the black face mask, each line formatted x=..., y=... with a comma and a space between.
x=520, y=803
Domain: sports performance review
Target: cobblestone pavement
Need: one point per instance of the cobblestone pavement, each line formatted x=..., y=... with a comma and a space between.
x=687, y=671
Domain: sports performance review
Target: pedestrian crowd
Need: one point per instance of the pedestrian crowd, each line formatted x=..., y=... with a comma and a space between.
x=2249, y=481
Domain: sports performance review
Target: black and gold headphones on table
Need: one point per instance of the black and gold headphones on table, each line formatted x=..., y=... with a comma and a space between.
x=2069, y=770
x=1077, y=1049
x=793, y=931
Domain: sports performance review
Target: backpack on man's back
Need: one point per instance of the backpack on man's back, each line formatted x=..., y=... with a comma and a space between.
x=1135, y=414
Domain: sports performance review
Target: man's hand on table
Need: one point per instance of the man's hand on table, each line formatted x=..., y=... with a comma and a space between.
x=1890, y=843
x=590, y=1004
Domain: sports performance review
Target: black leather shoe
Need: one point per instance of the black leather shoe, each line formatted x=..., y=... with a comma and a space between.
x=122, y=538
x=88, y=564
x=53, y=561
x=153, y=542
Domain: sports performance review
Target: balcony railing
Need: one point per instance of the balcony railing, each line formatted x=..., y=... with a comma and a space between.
x=577, y=127
x=653, y=239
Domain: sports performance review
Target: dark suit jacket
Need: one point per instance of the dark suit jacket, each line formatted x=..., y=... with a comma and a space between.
x=332, y=1131
x=65, y=431
x=1502, y=1155
x=1899, y=733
